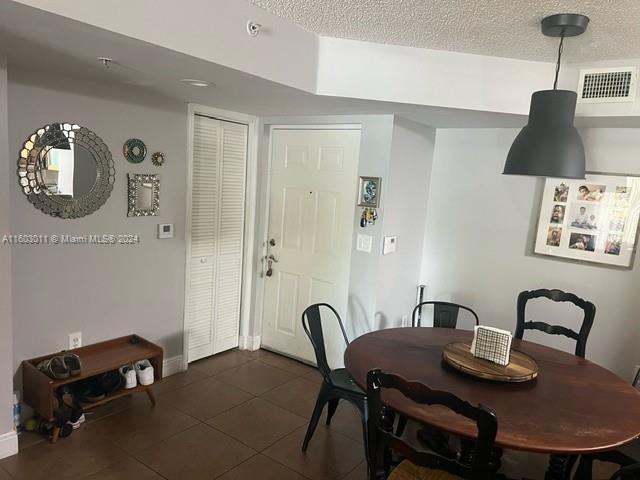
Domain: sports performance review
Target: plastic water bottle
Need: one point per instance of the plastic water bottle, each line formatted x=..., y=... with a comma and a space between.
x=17, y=411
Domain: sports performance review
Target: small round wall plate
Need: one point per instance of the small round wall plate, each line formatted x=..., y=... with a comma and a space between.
x=157, y=159
x=134, y=150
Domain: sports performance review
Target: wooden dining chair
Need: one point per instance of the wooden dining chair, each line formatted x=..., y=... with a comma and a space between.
x=424, y=464
x=556, y=296
x=445, y=314
x=336, y=384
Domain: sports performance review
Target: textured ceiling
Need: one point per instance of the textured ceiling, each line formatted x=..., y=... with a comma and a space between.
x=504, y=28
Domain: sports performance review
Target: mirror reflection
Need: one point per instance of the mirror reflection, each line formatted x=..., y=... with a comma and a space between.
x=68, y=170
x=144, y=195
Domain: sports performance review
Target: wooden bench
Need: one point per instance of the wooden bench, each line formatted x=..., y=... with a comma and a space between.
x=39, y=390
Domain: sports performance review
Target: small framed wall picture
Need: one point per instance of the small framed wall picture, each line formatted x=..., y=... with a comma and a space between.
x=369, y=192
x=590, y=220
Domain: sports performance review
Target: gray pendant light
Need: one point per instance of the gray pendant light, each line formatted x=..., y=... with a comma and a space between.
x=549, y=145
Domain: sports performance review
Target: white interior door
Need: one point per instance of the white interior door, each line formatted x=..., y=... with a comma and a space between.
x=216, y=233
x=311, y=215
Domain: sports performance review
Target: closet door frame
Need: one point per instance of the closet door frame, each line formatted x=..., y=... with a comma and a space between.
x=249, y=217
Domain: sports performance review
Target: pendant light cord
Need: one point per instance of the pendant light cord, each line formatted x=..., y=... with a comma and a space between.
x=560, y=48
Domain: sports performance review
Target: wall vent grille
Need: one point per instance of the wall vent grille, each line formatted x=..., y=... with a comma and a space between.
x=607, y=85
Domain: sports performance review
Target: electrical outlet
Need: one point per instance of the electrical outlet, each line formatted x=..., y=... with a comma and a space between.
x=75, y=340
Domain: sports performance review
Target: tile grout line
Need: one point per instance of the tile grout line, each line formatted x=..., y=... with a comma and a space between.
x=262, y=393
x=229, y=409
x=286, y=466
x=285, y=408
x=131, y=457
x=344, y=437
x=236, y=466
x=4, y=470
x=352, y=470
x=250, y=446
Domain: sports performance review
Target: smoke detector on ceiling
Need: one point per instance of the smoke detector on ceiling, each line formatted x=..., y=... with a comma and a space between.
x=253, y=28
x=607, y=85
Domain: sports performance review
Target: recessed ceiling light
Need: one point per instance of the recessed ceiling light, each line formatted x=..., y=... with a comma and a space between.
x=195, y=82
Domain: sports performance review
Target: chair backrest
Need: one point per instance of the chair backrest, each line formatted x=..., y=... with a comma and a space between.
x=382, y=437
x=445, y=314
x=557, y=296
x=312, y=324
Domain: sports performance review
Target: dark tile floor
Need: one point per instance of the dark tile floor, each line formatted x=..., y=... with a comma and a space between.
x=238, y=415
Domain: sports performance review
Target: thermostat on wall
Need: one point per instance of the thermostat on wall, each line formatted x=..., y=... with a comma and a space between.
x=165, y=230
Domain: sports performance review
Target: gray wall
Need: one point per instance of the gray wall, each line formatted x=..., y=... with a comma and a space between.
x=102, y=291
x=375, y=149
x=479, y=237
x=6, y=174
x=405, y=198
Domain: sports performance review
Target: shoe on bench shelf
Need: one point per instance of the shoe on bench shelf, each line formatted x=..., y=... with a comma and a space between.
x=144, y=372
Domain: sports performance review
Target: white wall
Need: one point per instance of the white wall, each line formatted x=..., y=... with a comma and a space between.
x=394, y=73
x=405, y=192
x=8, y=445
x=479, y=237
x=102, y=291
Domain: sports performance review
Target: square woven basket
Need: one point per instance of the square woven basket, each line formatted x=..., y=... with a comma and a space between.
x=491, y=344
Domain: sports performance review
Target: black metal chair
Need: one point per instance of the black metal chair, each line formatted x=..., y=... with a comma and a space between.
x=630, y=472
x=336, y=384
x=557, y=296
x=630, y=468
x=424, y=463
x=445, y=314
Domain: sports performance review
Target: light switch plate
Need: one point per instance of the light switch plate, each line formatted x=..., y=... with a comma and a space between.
x=364, y=243
x=389, y=245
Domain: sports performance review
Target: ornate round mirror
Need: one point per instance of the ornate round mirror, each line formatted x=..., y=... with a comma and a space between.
x=66, y=170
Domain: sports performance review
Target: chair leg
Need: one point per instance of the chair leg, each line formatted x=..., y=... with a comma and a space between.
x=364, y=412
x=584, y=470
x=560, y=467
x=333, y=405
x=402, y=424
x=363, y=407
x=323, y=398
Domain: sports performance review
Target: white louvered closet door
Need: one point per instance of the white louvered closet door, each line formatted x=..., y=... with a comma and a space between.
x=217, y=231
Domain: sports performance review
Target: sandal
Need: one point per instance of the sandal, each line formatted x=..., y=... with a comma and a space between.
x=54, y=368
x=73, y=363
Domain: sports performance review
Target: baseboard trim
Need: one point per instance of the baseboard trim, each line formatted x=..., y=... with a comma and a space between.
x=172, y=365
x=250, y=343
x=8, y=444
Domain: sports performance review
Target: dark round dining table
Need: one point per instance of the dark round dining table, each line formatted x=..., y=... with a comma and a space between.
x=573, y=406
